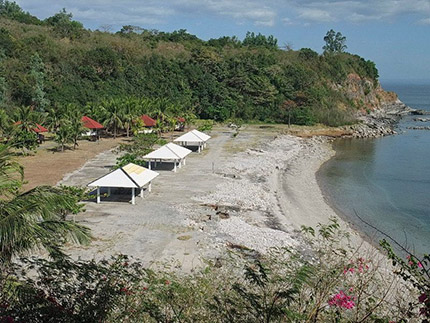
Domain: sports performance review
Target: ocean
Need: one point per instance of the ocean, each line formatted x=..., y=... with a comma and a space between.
x=386, y=181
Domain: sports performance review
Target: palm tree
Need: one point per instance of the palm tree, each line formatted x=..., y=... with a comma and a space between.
x=11, y=173
x=74, y=117
x=5, y=124
x=64, y=134
x=23, y=136
x=113, y=116
x=35, y=220
x=129, y=113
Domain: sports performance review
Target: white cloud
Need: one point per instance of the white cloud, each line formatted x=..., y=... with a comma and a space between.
x=257, y=12
x=425, y=21
x=315, y=15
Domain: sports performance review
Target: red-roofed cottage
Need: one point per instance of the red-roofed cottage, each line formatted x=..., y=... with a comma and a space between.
x=92, y=126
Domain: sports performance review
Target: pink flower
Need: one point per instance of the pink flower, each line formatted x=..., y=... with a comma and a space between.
x=341, y=300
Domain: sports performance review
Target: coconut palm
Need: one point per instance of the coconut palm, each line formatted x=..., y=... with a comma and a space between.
x=74, y=117
x=64, y=134
x=130, y=113
x=11, y=173
x=35, y=220
x=113, y=116
x=5, y=124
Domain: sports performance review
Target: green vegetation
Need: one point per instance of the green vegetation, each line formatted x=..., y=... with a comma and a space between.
x=35, y=219
x=331, y=283
x=55, y=62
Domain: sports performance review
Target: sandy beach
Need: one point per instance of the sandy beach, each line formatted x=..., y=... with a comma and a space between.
x=253, y=190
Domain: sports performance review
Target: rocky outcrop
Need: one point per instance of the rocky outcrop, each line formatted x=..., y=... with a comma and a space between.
x=378, y=110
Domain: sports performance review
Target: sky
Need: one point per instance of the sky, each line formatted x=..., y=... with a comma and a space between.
x=395, y=34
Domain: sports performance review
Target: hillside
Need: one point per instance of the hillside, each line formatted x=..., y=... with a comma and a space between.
x=56, y=61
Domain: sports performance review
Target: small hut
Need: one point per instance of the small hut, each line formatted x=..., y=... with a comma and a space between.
x=168, y=153
x=148, y=122
x=130, y=176
x=39, y=130
x=93, y=127
x=193, y=138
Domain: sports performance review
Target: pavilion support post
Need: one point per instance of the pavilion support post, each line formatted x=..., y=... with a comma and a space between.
x=108, y=194
x=180, y=163
x=149, y=164
x=141, y=192
x=184, y=161
x=98, y=195
x=200, y=149
x=149, y=187
x=174, y=167
x=133, y=192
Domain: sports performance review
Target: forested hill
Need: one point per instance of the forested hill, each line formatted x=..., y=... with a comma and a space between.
x=50, y=63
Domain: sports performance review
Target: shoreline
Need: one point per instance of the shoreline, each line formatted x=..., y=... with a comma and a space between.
x=342, y=215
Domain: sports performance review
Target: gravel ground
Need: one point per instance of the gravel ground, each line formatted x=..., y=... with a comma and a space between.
x=253, y=190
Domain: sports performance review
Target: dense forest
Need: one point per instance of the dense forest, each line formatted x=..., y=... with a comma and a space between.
x=48, y=64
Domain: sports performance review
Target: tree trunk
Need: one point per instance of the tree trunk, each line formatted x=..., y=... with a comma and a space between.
x=289, y=119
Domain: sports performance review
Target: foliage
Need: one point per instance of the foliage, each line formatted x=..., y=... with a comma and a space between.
x=141, y=145
x=329, y=283
x=13, y=11
x=37, y=72
x=416, y=271
x=253, y=40
x=64, y=26
x=334, y=42
x=169, y=74
x=11, y=173
x=206, y=125
x=35, y=219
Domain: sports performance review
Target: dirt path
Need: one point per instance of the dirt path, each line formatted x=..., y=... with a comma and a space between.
x=47, y=167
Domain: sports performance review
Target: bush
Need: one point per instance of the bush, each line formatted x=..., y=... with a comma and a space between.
x=329, y=282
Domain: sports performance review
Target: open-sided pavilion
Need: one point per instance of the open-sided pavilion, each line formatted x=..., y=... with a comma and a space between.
x=130, y=176
x=193, y=138
x=168, y=153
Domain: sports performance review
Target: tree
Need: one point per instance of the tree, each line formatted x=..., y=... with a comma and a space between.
x=113, y=115
x=64, y=25
x=64, y=134
x=73, y=115
x=37, y=72
x=259, y=40
x=334, y=42
x=289, y=106
x=11, y=172
x=23, y=135
x=35, y=219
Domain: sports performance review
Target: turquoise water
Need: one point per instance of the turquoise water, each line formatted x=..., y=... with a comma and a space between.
x=386, y=181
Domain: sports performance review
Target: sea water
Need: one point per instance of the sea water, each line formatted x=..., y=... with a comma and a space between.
x=386, y=181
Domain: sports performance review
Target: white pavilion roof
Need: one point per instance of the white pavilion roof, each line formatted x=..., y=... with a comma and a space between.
x=170, y=151
x=200, y=134
x=131, y=175
x=193, y=136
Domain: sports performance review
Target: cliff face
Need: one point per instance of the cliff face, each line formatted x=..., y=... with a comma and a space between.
x=365, y=94
x=378, y=110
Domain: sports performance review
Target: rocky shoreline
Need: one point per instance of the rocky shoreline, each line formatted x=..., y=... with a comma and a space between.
x=380, y=122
